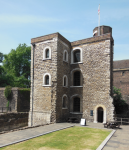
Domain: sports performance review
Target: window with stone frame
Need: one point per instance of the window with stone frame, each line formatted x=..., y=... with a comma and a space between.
x=65, y=56
x=76, y=78
x=65, y=81
x=76, y=56
x=47, y=53
x=76, y=104
x=64, y=102
x=46, y=80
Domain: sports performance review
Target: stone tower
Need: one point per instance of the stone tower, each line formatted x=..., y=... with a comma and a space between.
x=71, y=78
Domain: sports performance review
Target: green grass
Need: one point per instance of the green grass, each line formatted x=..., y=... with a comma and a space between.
x=75, y=138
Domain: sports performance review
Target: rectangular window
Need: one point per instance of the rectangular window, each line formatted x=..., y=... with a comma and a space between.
x=91, y=112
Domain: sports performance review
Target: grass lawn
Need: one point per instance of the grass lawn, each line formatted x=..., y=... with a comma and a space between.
x=75, y=138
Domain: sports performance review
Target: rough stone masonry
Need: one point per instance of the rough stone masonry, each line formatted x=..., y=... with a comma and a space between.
x=72, y=79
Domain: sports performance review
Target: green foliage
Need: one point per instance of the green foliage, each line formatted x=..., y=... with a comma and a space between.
x=7, y=91
x=1, y=57
x=7, y=105
x=119, y=103
x=16, y=67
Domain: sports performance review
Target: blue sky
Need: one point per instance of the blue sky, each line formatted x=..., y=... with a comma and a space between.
x=21, y=20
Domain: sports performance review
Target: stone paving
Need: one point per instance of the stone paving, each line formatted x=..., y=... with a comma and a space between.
x=119, y=141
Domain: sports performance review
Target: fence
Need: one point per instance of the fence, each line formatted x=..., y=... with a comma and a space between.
x=5, y=109
x=122, y=121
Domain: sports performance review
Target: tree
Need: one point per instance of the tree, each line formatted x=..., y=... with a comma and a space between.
x=16, y=64
x=119, y=103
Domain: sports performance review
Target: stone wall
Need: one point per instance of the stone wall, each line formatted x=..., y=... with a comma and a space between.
x=63, y=68
x=43, y=99
x=96, y=79
x=10, y=121
x=96, y=74
x=121, y=81
x=19, y=102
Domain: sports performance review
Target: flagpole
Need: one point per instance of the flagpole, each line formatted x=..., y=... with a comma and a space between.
x=99, y=21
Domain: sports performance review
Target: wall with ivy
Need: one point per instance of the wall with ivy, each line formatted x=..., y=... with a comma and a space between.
x=19, y=100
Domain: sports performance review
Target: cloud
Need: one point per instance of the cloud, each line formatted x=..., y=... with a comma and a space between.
x=25, y=19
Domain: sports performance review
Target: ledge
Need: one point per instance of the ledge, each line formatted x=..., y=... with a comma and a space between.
x=64, y=108
x=76, y=86
x=77, y=63
x=47, y=59
x=76, y=113
x=124, y=69
x=46, y=85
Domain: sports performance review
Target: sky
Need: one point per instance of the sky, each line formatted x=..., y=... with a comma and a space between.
x=21, y=20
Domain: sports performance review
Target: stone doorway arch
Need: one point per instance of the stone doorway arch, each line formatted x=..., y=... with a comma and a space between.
x=100, y=114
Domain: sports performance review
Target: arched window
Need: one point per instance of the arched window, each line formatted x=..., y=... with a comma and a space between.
x=76, y=78
x=76, y=55
x=46, y=79
x=65, y=56
x=46, y=53
x=65, y=81
x=64, y=101
x=76, y=104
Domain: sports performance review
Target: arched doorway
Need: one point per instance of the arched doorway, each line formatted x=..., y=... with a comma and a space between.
x=100, y=114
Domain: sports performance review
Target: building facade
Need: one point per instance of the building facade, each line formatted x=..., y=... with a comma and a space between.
x=72, y=78
x=121, y=77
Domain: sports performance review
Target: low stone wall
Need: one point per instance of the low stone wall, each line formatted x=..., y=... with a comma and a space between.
x=19, y=101
x=10, y=121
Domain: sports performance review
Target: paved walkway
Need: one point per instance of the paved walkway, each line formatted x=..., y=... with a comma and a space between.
x=21, y=135
x=119, y=141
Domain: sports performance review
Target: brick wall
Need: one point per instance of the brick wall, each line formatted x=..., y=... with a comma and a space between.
x=122, y=82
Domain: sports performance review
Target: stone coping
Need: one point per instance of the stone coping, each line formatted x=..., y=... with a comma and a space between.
x=75, y=43
x=13, y=88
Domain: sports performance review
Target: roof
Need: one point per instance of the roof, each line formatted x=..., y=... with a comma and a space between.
x=121, y=64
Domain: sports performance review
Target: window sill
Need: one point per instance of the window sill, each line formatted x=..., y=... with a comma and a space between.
x=46, y=85
x=64, y=108
x=46, y=58
x=76, y=113
x=65, y=86
x=75, y=86
x=77, y=63
x=65, y=61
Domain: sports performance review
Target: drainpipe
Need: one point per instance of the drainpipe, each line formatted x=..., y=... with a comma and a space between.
x=32, y=87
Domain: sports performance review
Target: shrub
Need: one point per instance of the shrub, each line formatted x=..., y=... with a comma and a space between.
x=7, y=91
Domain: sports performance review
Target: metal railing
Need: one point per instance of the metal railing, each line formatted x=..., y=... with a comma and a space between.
x=5, y=109
x=122, y=121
